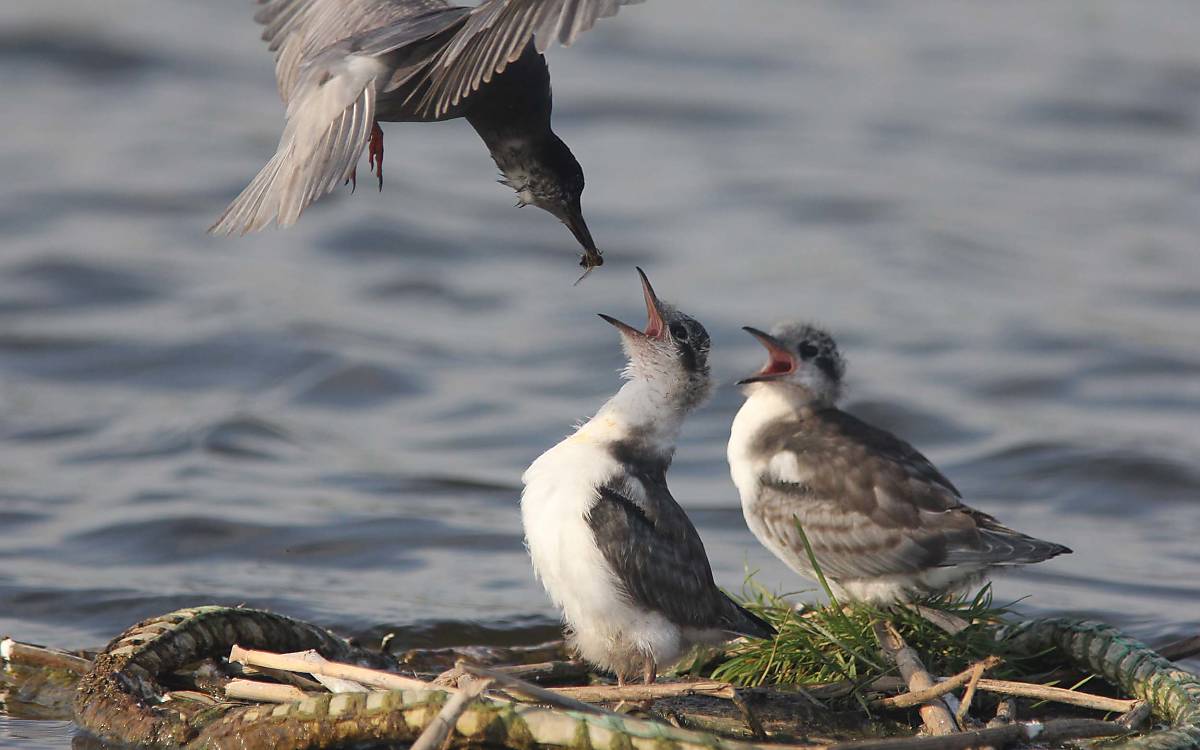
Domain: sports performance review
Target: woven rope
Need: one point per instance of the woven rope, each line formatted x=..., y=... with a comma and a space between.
x=121, y=699
x=1172, y=693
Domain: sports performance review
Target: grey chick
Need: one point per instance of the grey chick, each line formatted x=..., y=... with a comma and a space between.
x=884, y=524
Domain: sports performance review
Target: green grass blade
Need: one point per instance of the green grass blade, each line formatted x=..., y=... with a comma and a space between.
x=812, y=560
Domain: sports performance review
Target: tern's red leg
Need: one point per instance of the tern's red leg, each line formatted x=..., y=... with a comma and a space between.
x=375, y=153
x=374, y=159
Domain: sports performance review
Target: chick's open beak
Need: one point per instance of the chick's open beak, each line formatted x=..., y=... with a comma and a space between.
x=655, y=327
x=781, y=361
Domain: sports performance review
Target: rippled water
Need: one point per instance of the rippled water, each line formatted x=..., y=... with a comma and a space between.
x=994, y=206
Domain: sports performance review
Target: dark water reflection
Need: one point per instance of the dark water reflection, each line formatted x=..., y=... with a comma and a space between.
x=993, y=206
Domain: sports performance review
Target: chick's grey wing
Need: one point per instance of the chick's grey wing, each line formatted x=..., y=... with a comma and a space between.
x=298, y=30
x=496, y=34
x=658, y=558
x=846, y=544
x=886, y=448
x=870, y=504
x=966, y=536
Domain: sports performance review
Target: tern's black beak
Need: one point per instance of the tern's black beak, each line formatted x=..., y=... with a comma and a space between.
x=573, y=218
x=781, y=361
x=655, y=327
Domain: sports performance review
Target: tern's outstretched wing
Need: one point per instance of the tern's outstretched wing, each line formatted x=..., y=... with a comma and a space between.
x=298, y=30
x=496, y=33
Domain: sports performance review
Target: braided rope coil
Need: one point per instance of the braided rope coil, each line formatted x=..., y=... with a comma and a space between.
x=121, y=699
x=1172, y=693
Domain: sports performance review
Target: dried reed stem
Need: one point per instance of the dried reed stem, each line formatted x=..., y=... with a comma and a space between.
x=654, y=691
x=917, y=697
x=969, y=694
x=437, y=732
x=1056, y=694
x=311, y=662
x=16, y=652
x=937, y=718
x=263, y=692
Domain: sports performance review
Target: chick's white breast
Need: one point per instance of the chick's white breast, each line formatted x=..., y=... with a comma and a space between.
x=560, y=489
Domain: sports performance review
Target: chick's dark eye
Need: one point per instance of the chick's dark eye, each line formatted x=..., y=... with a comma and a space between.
x=807, y=351
x=678, y=332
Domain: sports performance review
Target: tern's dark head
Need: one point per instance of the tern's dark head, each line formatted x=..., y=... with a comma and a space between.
x=545, y=174
x=801, y=357
x=671, y=355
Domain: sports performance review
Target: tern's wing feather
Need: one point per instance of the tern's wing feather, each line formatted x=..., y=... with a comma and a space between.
x=298, y=30
x=660, y=561
x=496, y=34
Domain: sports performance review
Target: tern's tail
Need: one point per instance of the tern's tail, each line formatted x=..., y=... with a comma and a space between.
x=329, y=123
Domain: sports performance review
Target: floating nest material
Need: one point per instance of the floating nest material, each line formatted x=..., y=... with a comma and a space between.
x=163, y=684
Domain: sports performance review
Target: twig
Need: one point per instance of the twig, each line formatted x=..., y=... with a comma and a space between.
x=193, y=696
x=263, y=692
x=539, y=694
x=1135, y=717
x=937, y=718
x=307, y=684
x=16, y=652
x=339, y=685
x=917, y=697
x=1048, y=733
x=437, y=732
x=313, y=663
x=969, y=694
x=548, y=671
x=653, y=691
x=1056, y=694
x=321, y=682
x=431, y=659
x=953, y=705
x=757, y=731
x=542, y=672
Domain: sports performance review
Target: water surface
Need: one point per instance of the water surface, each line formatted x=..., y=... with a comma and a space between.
x=993, y=206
